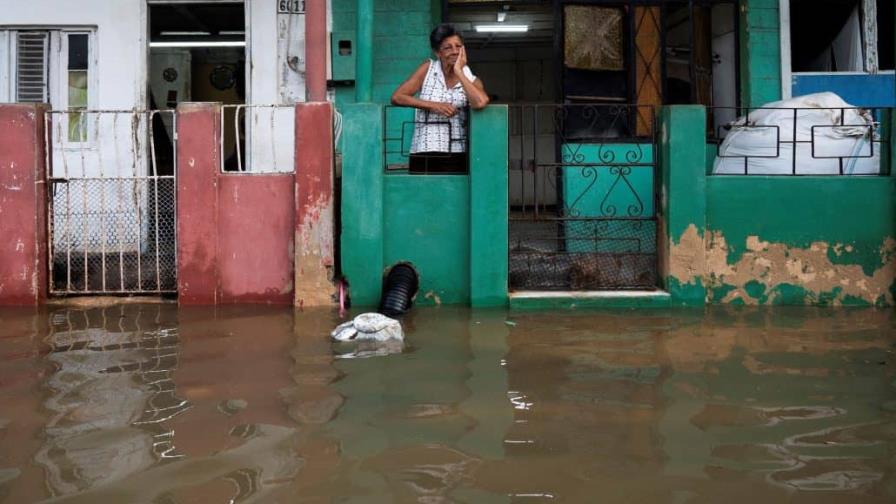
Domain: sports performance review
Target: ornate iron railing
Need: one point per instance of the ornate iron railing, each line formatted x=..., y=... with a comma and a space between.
x=582, y=197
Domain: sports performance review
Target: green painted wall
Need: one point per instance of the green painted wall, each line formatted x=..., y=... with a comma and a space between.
x=400, y=41
x=362, y=202
x=427, y=223
x=452, y=228
x=816, y=240
x=489, y=206
x=770, y=240
x=683, y=202
x=760, y=52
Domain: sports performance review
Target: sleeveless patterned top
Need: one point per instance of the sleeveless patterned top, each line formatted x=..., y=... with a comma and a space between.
x=434, y=132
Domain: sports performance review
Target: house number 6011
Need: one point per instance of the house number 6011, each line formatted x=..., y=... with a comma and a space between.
x=291, y=6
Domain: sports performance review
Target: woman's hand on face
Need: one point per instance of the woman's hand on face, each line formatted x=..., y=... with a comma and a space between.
x=445, y=109
x=461, y=61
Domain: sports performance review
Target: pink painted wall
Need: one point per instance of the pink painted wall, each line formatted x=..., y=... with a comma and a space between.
x=198, y=162
x=255, y=238
x=315, y=234
x=23, y=205
x=235, y=231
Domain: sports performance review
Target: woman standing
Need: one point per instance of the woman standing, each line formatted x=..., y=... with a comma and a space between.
x=446, y=87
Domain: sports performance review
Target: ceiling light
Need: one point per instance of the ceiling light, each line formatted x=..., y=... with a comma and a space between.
x=502, y=16
x=184, y=33
x=197, y=43
x=502, y=28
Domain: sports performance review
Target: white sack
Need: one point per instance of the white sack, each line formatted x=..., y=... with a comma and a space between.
x=769, y=155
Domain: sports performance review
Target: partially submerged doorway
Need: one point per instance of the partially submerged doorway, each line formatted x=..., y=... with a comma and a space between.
x=584, y=81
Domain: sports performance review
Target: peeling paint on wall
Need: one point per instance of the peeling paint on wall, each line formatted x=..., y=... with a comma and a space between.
x=314, y=262
x=687, y=257
x=775, y=273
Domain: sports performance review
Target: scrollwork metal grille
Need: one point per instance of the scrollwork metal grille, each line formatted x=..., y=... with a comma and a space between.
x=582, y=197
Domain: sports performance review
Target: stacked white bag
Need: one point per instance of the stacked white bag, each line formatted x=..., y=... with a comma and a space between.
x=759, y=140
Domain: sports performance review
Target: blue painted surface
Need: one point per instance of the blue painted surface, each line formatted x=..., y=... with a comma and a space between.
x=610, y=192
x=859, y=90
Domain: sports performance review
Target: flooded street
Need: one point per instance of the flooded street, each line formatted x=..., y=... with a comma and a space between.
x=151, y=403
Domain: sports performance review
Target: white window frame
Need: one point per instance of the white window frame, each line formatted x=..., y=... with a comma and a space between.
x=58, y=83
x=6, y=66
x=871, y=62
x=57, y=68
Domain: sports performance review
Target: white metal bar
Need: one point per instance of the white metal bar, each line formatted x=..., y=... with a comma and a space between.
x=236, y=128
x=102, y=212
x=137, y=199
x=68, y=211
x=155, y=181
x=118, y=218
x=86, y=235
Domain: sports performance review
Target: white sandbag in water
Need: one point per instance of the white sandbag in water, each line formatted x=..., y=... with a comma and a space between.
x=764, y=138
x=369, y=327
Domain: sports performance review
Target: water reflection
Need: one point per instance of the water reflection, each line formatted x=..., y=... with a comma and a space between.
x=793, y=399
x=109, y=396
x=254, y=404
x=116, y=417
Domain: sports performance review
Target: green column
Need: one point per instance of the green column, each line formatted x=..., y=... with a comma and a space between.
x=683, y=164
x=488, y=206
x=364, y=52
x=760, y=52
x=362, y=202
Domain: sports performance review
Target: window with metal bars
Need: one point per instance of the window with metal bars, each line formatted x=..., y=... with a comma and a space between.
x=31, y=67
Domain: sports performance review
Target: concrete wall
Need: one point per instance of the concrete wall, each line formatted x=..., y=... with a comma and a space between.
x=452, y=228
x=314, y=205
x=23, y=196
x=801, y=240
x=237, y=231
x=427, y=223
x=771, y=240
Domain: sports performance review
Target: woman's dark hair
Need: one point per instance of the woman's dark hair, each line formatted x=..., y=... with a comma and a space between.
x=440, y=33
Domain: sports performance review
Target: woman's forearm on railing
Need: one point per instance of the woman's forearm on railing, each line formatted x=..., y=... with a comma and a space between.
x=402, y=100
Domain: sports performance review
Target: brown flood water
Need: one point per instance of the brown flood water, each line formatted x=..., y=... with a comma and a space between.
x=151, y=403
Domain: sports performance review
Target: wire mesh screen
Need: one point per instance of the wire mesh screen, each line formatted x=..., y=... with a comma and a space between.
x=112, y=215
x=127, y=248
x=582, y=197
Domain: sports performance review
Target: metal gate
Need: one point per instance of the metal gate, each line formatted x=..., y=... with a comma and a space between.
x=582, y=193
x=111, y=201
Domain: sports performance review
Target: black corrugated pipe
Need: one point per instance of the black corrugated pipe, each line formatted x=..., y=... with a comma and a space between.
x=399, y=289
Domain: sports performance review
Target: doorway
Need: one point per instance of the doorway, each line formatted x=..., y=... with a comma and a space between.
x=583, y=82
x=197, y=52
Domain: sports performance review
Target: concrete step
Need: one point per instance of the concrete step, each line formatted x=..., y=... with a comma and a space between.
x=537, y=300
